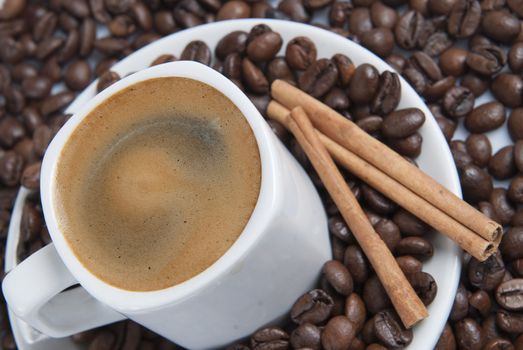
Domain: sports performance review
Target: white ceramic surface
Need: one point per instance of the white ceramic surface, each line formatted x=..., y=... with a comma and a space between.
x=435, y=159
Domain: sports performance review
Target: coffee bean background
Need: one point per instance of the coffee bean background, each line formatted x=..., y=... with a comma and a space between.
x=450, y=51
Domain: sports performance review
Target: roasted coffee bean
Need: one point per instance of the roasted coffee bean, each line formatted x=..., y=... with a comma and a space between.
x=355, y=311
x=77, y=75
x=31, y=223
x=111, y=46
x=338, y=248
x=511, y=245
x=31, y=176
x=360, y=21
x=279, y=69
x=409, y=264
x=375, y=296
x=339, y=12
x=434, y=91
x=122, y=26
x=319, y=77
x=364, y=84
x=317, y=4
x=486, y=59
x=507, y=88
x=440, y=7
x=264, y=47
x=479, y=147
x=480, y=300
x=424, y=286
x=464, y=18
x=509, y=294
x=25, y=149
x=383, y=15
x=461, y=158
x=164, y=22
x=408, y=29
x=232, y=66
x=11, y=166
x=504, y=209
x=476, y=83
x=142, y=16
x=446, y=340
x=41, y=138
x=163, y=59
x=233, y=42
x=517, y=220
x=87, y=37
x=515, y=190
x=44, y=26
x=397, y=62
x=337, y=99
x=31, y=118
x=370, y=124
x=338, y=333
x=409, y=146
x=338, y=228
x=15, y=100
x=510, y=322
x=447, y=127
x=453, y=61
x=388, y=95
x=22, y=71
x=300, y=53
x=56, y=102
x=460, y=308
x=389, y=330
x=107, y=79
x=488, y=274
x=515, y=57
x=498, y=344
x=416, y=79
x=270, y=338
x=418, y=247
x=197, y=51
x=51, y=69
x=11, y=8
x=515, y=124
x=378, y=40
x=11, y=131
x=468, y=334
x=338, y=277
x=376, y=201
x=77, y=8
x=388, y=232
x=37, y=87
x=458, y=101
x=234, y=9
x=294, y=10
x=306, y=336
x=143, y=40
x=357, y=263
x=313, y=307
x=437, y=43
x=486, y=117
x=502, y=165
x=500, y=26
x=345, y=69
x=402, y=123
x=254, y=77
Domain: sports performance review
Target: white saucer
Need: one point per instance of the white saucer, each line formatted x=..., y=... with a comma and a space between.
x=435, y=159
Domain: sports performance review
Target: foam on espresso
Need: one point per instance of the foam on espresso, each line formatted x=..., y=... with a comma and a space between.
x=156, y=183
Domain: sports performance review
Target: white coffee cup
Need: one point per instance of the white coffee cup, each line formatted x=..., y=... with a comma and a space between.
x=277, y=257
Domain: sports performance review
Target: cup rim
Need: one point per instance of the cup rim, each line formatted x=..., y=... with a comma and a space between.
x=266, y=206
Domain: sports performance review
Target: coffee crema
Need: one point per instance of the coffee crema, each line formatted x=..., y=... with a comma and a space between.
x=156, y=183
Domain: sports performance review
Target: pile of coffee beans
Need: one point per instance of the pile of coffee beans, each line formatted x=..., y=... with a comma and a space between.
x=451, y=51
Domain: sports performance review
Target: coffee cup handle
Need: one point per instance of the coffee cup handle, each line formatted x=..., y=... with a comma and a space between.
x=34, y=291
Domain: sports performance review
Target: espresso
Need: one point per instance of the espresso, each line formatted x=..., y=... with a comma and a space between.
x=156, y=183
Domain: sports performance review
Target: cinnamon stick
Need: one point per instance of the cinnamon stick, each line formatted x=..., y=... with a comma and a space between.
x=405, y=300
x=350, y=136
x=475, y=245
